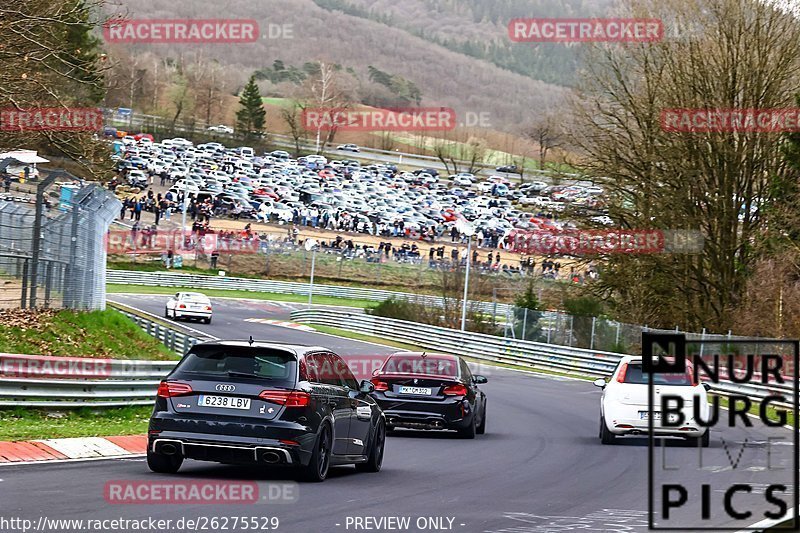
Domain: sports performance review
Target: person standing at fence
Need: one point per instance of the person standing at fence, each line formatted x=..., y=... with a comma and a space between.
x=7, y=182
x=214, y=258
x=137, y=210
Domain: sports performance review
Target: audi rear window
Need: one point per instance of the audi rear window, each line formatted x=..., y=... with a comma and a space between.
x=239, y=361
x=635, y=374
x=425, y=366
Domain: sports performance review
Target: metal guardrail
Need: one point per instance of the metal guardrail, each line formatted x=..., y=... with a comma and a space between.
x=71, y=382
x=533, y=355
x=479, y=346
x=175, y=279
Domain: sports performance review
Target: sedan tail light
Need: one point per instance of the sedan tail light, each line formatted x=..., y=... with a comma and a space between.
x=168, y=389
x=182, y=306
x=455, y=390
x=208, y=308
x=379, y=385
x=285, y=397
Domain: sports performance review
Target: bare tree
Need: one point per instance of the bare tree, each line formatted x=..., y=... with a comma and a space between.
x=329, y=99
x=292, y=116
x=548, y=134
x=747, y=56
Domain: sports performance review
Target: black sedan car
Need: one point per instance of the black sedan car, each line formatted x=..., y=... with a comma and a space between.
x=430, y=391
x=250, y=402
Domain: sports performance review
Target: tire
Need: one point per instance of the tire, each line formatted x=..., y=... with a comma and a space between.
x=375, y=458
x=163, y=464
x=208, y=320
x=166, y=313
x=481, y=429
x=469, y=431
x=317, y=468
x=606, y=437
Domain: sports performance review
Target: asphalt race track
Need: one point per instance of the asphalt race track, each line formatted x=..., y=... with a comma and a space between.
x=540, y=467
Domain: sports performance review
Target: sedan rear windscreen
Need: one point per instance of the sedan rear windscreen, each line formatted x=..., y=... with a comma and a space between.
x=415, y=364
x=635, y=374
x=239, y=361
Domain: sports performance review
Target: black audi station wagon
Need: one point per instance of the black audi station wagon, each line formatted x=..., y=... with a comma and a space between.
x=251, y=402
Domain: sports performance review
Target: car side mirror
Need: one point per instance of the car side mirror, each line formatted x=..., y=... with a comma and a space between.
x=479, y=379
x=599, y=382
x=366, y=387
x=706, y=386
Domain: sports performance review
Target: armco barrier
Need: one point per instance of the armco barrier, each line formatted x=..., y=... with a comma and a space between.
x=478, y=346
x=529, y=354
x=175, y=279
x=68, y=382
x=58, y=382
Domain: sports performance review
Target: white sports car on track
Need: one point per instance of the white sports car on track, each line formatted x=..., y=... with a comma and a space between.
x=188, y=305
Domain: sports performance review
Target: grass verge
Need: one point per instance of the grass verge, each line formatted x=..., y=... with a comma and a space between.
x=224, y=293
x=98, y=334
x=28, y=424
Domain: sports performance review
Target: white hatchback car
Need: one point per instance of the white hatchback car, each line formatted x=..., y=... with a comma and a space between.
x=188, y=305
x=624, y=403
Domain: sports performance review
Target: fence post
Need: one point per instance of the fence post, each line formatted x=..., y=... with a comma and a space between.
x=524, y=322
x=571, y=322
x=702, y=338
x=591, y=342
x=24, y=284
x=616, y=341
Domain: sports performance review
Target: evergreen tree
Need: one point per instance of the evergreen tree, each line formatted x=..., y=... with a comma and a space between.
x=80, y=57
x=250, y=118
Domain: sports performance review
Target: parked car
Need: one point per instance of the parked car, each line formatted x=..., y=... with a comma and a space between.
x=221, y=128
x=509, y=169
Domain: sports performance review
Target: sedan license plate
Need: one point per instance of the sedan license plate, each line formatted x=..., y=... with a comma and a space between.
x=226, y=402
x=644, y=415
x=415, y=390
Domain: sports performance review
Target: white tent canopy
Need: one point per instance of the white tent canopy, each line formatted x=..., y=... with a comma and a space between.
x=28, y=157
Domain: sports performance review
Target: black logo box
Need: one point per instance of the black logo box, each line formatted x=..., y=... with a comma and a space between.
x=674, y=344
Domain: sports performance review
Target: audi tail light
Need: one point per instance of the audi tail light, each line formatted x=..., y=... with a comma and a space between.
x=168, y=389
x=285, y=397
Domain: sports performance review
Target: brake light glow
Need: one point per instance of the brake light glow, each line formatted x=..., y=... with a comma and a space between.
x=622, y=372
x=182, y=306
x=168, y=389
x=455, y=390
x=285, y=397
x=380, y=385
